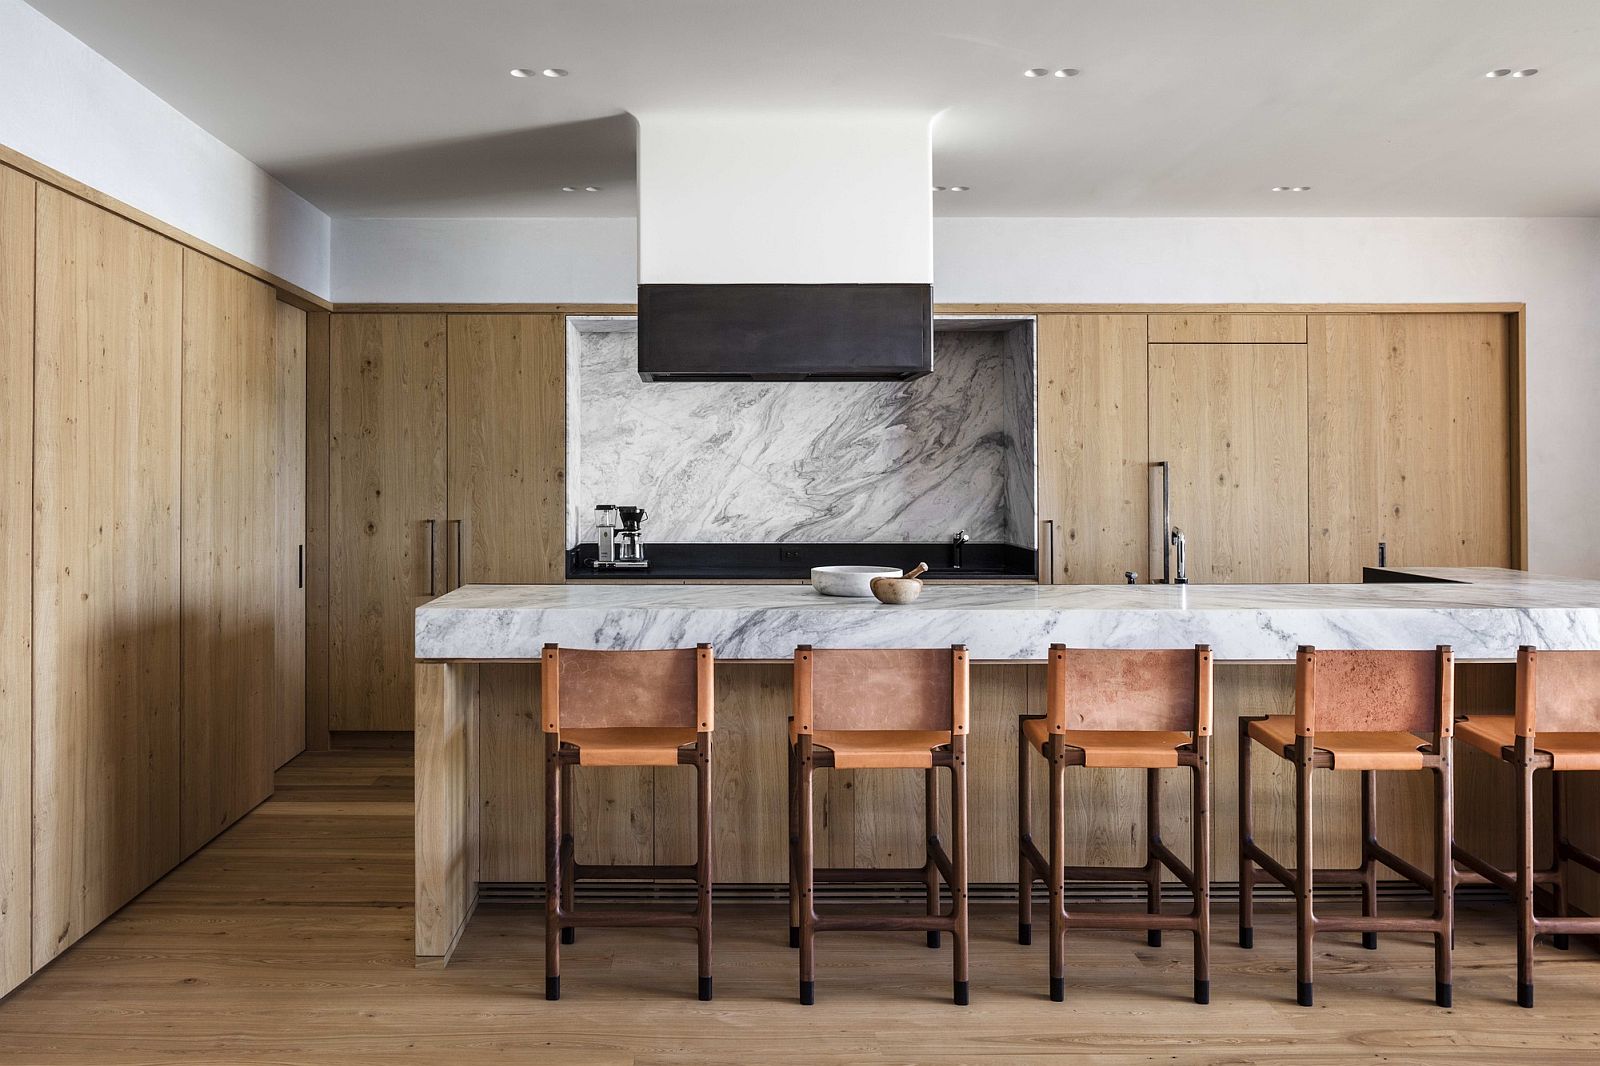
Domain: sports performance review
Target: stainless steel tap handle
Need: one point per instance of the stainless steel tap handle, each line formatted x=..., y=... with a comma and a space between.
x=1182, y=545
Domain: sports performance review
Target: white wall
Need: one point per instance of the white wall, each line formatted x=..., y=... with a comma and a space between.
x=1552, y=265
x=68, y=107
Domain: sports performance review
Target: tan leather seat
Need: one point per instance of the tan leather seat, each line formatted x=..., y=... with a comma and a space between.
x=1493, y=733
x=1146, y=749
x=1350, y=751
x=883, y=749
x=628, y=745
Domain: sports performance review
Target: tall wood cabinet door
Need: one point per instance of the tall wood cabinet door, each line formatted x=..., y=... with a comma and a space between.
x=16, y=575
x=1412, y=431
x=1231, y=419
x=387, y=503
x=289, y=674
x=230, y=545
x=1093, y=448
x=107, y=466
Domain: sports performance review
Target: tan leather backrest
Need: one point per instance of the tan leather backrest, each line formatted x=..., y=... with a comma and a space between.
x=1558, y=691
x=1374, y=691
x=889, y=688
x=1129, y=689
x=608, y=689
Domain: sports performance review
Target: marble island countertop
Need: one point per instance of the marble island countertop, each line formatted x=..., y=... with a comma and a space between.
x=1484, y=614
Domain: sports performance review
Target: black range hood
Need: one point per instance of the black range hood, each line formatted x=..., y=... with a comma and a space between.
x=777, y=332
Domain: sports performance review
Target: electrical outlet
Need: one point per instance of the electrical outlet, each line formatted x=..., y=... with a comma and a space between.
x=789, y=555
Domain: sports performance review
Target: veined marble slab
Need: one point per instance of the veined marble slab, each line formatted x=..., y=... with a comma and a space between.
x=1485, y=616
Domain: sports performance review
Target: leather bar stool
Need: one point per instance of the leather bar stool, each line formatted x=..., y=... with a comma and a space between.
x=1359, y=711
x=1555, y=726
x=623, y=708
x=888, y=709
x=1137, y=709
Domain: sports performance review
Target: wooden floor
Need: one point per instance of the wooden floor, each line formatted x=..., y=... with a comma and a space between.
x=289, y=941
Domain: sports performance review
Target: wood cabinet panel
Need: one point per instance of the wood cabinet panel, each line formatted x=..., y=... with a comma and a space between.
x=289, y=702
x=230, y=546
x=1210, y=328
x=319, y=546
x=386, y=484
x=107, y=450
x=1411, y=441
x=1231, y=418
x=507, y=448
x=1093, y=447
x=16, y=575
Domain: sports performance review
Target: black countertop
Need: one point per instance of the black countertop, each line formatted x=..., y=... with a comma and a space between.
x=793, y=562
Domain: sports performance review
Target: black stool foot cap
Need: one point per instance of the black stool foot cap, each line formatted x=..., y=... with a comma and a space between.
x=1442, y=993
x=1559, y=942
x=1247, y=937
x=1369, y=941
x=552, y=988
x=1202, y=992
x=1153, y=937
x=569, y=935
x=933, y=938
x=1524, y=995
x=808, y=993
x=1058, y=989
x=794, y=936
x=1024, y=933
x=705, y=989
x=961, y=994
x=1302, y=993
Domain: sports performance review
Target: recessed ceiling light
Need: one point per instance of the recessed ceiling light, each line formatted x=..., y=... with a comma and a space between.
x=522, y=72
x=959, y=188
x=1035, y=72
x=1068, y=72
x=1507, y=72
x=1291, y=188
x=1526, y=72
x=938, y=188
x=591, y=188
x=569, y=188
x=553, y=72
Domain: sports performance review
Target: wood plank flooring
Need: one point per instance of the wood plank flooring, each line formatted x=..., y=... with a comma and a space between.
x=288, y=941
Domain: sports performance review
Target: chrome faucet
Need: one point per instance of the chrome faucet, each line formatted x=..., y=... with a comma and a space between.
x=956, y=542
x=1182, y=547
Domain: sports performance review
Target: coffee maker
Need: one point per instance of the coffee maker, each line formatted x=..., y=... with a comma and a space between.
x=620, y=541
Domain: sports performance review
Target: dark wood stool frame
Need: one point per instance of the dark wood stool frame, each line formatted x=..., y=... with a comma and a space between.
x=1255, y=865
x=1053, y=871
x=805, y=758
x=563, y=871
x=1520, y=882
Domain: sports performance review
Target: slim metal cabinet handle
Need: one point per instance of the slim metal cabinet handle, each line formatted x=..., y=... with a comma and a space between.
x=1166, y=520
x=433, y=526
x=300, y=569
x=1050, y=551
x=461, y=574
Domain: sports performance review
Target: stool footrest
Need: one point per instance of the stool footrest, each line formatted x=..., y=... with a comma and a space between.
x=1387, y=923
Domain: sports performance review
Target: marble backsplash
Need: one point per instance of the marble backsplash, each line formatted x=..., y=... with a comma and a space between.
x=753, y=462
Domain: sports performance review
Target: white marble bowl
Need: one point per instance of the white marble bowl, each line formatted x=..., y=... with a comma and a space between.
x=848, y=580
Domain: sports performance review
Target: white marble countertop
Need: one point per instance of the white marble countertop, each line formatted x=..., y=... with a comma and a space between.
x=1484, y=614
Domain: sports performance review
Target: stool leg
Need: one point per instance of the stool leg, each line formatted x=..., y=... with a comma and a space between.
x=1152, y=865
x=1525, y=874
x=704, y=837
x=1058, y=869
x=808, y=917
x=930, y=871
x=958, y=862
x=1558, y=822
x=1305, y=932
x=1369, y=865
x=794, y=849
x=1444, y=875
x=1247, y=868
x=552, y=871
x=1025, y=871
x=569, y=856
x=1201, y=865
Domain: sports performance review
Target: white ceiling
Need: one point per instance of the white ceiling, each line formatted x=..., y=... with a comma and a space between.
x=404, y=107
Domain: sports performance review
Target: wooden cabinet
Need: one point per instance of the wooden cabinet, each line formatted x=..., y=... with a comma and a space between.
x=1412, y=441
x=230, y=545
x=1231, y=419
x=1093, y=447
x=386, y=504
x=108, y=363
x=289, y=505
x=16, y=575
